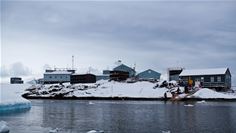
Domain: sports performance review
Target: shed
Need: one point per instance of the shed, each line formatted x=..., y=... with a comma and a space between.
x=16, y=80
x=149, y=75
x=218, y=78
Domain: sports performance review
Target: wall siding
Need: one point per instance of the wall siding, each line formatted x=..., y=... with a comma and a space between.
x=57, y=77
x=149, y=75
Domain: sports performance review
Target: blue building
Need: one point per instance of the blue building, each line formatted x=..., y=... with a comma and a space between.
x=125, y=68
x=149, y=75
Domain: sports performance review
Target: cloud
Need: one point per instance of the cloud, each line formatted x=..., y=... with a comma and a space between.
x=153, y=34
x=16, y=69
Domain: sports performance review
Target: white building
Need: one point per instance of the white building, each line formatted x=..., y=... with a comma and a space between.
x=56, y=76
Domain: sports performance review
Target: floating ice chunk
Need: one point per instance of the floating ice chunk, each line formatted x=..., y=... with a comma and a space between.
x=203, y=101
x=188, y=105
x=54, y=130
x=3, y=127
x=165, y=131
x=94, y=131
x=91, y=102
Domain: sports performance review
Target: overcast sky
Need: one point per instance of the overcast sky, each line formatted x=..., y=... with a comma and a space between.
x=154, y=34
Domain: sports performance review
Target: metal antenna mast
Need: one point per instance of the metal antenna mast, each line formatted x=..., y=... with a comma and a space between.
x=72, y=62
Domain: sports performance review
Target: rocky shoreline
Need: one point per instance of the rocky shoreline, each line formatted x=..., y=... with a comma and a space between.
x=126, y=98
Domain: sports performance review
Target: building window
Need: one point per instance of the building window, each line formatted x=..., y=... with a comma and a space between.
x=219, y=79
x=212, y=79
x=50, y=77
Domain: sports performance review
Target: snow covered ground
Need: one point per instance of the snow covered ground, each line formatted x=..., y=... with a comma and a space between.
x=103, y=88
x=11, y=99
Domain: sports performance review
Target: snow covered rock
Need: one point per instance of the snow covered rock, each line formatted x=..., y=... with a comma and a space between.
x=3, y=127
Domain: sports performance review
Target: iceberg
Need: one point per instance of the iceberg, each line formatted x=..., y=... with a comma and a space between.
x=11, y=99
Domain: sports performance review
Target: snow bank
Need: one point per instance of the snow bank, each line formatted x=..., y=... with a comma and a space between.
x=207, y=94
x=3, y=127
x=10, y=97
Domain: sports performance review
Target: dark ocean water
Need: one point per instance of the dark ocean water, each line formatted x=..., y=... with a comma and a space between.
x=76, y=116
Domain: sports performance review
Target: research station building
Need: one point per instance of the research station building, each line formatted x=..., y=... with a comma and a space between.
x=217, y=78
